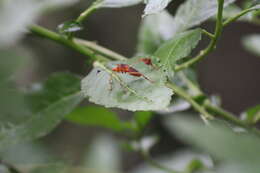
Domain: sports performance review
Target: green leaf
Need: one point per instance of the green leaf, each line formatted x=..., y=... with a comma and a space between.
x=252, y=115
x=12, y=102
x=251, y=43
x=69, y=27
x=142, y=118
x=154, y=29
x=33, y=158
x=194, y=166
x=12, y=61
x=40, y=124
x=112, y=89
x=98, y=116
x=194, y=12
x=27, y=154
x=217, y=139
x=55, y=88
x=16, y=15
x=49, y=103
x=118, y=3
x=155, y=6
x=178, y=47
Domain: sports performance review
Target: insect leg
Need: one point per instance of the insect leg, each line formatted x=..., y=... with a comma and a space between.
x=110, y=83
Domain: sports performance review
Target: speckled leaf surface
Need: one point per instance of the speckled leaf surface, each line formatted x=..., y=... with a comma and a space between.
x=112, y=89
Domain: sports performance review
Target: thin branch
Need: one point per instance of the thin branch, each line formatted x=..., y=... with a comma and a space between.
x=102, y=50
x=230, y=117
x=218, y=111
x=192, y=86
x=224, y=114
x=211, y=36
x=212, y=44
x=94, y=6
x=237, y=16
x=179, y=91
x=45, y=33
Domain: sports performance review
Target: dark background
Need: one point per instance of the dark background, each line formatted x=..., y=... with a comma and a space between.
x=230, y=72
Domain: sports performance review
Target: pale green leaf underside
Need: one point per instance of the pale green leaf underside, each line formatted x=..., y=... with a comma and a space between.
x=178, y=47
x=194, y=12
x=16, y=15
x=163, y=26
x=252, y=43
x=118, y=3
x=233, y=10
x=155, y=6
x=128, y=92
x=154, y=29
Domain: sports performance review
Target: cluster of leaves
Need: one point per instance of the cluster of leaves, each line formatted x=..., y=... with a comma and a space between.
x=167, y=40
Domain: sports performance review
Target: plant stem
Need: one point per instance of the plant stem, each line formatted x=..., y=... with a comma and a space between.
x=212, y=44
x=226, y=115
x=236, y=17
x=38, y=30
x=179, y=91
x=94, y=6
x=216, y=110
x=230, y=117
x=211, y=36
x=193, y=87
x=155, y=164
x=101, y=50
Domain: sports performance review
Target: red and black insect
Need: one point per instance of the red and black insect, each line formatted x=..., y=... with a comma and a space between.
x=124, y=68
x=148, y=61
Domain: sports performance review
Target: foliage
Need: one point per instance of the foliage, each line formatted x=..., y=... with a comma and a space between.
x=228, y=143
x=98, y=116
x=177, y=48
x=160, y=77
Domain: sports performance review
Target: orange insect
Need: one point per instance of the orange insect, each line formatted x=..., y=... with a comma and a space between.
x=124, y=68
x=148, y=61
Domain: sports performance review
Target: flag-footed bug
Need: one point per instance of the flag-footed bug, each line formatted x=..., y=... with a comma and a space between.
x=124, y=68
